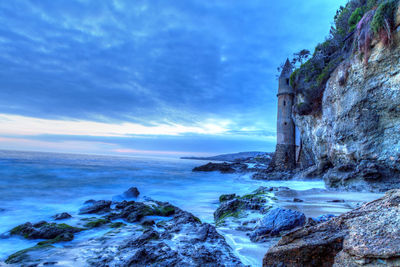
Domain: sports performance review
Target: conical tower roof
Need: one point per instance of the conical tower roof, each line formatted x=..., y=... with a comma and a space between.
x=287, y=69
x=284, y=79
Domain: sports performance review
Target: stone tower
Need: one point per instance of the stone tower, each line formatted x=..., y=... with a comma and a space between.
x=285, y=154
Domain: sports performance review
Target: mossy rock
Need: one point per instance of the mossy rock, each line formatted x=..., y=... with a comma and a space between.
x=236, y=214
x=59, y=238
x=117, y=224
x=43, y=230
x=22, y=255
x=165, y=211
x=97, y=223
x=226, y=197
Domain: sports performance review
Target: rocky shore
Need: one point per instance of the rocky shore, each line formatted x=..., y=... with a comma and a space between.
x=128, y=232
x=366, y=236
x=131, y=233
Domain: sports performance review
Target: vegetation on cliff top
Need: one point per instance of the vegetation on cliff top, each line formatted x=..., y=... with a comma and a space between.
x=355, y=26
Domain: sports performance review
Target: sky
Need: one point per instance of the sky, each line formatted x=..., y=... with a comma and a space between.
x=145, y=77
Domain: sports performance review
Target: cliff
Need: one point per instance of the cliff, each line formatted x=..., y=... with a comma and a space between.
x=355, y=138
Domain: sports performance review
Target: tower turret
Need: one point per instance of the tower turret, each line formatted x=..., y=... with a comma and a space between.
x=285, y=154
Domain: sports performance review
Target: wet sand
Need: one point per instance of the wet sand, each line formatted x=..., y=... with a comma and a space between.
x=317, y=202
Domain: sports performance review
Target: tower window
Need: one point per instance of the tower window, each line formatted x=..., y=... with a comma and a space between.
x=285, y=123
x=284, y=102
x=287, y=81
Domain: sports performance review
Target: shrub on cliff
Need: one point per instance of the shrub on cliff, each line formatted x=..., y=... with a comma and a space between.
x=355, y=26
x=355, y=17
x=383, y=22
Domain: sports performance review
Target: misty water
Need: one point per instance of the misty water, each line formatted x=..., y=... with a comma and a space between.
x=35, y=186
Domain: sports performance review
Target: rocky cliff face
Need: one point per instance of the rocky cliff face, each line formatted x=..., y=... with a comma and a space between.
x=355, y=141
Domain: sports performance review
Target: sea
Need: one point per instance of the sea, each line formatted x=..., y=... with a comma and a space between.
x=34, y=186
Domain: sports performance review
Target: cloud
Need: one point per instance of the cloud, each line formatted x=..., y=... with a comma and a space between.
x=142, y=61
x=118, y=67
x=15, y=125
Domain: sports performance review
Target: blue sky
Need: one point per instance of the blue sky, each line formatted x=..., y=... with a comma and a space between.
x=148, y=77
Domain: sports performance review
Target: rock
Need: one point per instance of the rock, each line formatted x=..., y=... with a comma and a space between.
x=92, y=206
x=147, y=222
x=323, y=218
x=210, y=167
x=180, y=240
x=297, y=200
x=132, y=192
x=131, y=211
x=227, y=208
x=62, y=216
x=43, y=230
x=226, y=197
x=267, y=174
x=369, y=235
x=357, y=131
x=276, y=221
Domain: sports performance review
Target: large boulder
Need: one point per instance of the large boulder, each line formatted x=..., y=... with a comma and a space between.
x=276, y=221
x=92, y=206
x=369, y=235
x=132, y=192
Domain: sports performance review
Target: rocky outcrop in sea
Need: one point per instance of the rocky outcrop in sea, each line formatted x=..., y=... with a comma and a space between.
x=130, y=233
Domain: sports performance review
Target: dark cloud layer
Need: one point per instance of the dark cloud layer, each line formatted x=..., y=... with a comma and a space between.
x=152, y=61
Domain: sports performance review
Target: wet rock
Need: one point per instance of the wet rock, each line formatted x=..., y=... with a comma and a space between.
x=298, y=200
x=276, y=221
x=62, y=216
x=228, y=207
x=132, y=192
x=369, y=235
x=96, y=222
x=147, y=222
x=179, y=240
x=100, y=206
x=22, y=257
x=226, y=197
x=211, y=167
x=131, y=211
x=142, y=239
x=43, y=230
x=323, y=218
x=183, y=241
x=270, y=175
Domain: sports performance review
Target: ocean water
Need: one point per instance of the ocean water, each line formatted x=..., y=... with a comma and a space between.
x=35, y=186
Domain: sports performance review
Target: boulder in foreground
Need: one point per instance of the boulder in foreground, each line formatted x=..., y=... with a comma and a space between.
x=366, y=236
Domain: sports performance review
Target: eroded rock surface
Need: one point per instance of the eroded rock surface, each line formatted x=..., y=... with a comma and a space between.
x=354, y=142
x=366, y=236
x=153, y=234
x=276, y=221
